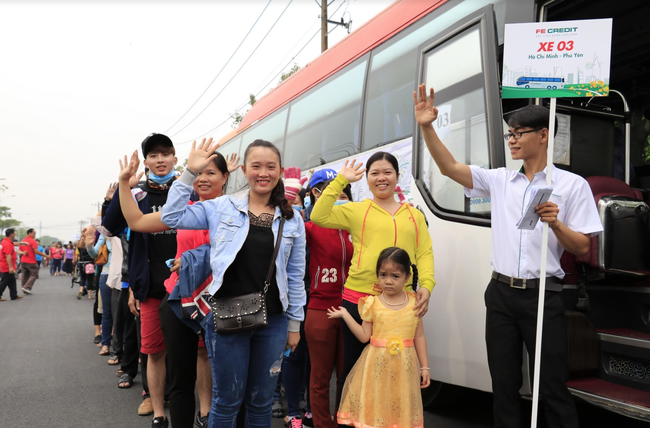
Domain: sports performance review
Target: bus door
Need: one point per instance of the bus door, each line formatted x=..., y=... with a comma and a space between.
x=460, y=63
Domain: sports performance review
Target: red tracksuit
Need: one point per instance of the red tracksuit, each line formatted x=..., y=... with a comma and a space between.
x=330, y=255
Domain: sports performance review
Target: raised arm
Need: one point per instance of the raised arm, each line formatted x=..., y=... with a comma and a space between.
x=137, y=221
x=176, y=213
x=425, y=114
x=325, y=214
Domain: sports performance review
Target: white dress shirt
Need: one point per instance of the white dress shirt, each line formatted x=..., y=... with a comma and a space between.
x=517, y=253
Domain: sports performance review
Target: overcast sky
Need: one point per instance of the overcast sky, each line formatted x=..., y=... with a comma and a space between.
x=84, y=82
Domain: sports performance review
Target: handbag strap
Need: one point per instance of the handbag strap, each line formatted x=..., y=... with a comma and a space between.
x=276, y=250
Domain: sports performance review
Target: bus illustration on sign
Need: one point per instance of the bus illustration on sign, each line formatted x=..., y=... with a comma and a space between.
x=541, y=82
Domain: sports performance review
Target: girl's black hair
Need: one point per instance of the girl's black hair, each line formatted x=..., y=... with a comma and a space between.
x=401, y=258
x=322, y=185
x=222, y=165
x=277, y=194
x=382, y=156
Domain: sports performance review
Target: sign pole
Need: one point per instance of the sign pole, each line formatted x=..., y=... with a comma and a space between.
x=542, y=273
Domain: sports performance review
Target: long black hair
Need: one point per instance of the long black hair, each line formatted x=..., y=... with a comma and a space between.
x=277, y=194
x=382, y=156
x=401, y=258
x=222, y=165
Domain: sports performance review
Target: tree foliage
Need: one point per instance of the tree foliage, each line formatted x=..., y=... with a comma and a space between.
x=238, y=117
x=5, y=219
x=291, y=71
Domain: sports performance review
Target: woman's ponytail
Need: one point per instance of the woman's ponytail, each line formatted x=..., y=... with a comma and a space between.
x=415, y=277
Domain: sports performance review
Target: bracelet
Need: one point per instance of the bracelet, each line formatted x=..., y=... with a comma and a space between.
x=191, y=172
x=425, y=368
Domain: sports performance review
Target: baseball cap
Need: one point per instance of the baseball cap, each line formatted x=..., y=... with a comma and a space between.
x=321, y=175
x=154, y=140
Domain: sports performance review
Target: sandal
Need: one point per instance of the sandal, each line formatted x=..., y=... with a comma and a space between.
x=113, y=361
x=277, y=410
x=104, y=351
x=125, y=381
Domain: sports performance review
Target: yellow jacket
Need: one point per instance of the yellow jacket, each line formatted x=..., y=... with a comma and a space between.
x=373, y=229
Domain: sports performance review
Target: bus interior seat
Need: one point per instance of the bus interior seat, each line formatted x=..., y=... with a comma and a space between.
x=624, y=246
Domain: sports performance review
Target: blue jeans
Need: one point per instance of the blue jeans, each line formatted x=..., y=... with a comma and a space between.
x=241, y=371
x=107, y=315
x=295, y=374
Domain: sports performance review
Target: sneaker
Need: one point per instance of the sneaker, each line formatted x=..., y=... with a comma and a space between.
x=97, y=339
x=201, y=421
x=159, y=422
x=293, y=422
x=307, y=420
x=145, y=408
x=26, y=291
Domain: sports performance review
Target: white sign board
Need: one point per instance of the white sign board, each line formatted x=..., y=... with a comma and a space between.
x=557, y=59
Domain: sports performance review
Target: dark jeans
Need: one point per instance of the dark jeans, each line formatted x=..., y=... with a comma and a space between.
x=181, y=344
x=8, y=280
x=295, y=375
x=352, y=348
x=107, y=313
x=126, y=323
x=241, y=371
x=117, y=349
x=511, y=322
x=56, y=266
x=97, y=317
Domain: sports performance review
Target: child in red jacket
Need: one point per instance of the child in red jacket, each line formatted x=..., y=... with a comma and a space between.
x=330, y=255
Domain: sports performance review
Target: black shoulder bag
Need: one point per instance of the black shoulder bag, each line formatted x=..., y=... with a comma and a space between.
x=246, y=312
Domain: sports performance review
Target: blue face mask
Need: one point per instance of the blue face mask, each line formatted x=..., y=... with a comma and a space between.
x=341, y=202
x=161, y=180
x=297, y=207
x=307, y=203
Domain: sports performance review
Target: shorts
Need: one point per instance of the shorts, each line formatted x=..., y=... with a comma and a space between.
x=152, y=340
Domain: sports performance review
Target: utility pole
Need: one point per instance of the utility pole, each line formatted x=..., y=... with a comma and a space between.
x=40, y=228
x=323, y=25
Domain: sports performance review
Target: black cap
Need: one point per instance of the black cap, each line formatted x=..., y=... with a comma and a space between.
x=154, y=140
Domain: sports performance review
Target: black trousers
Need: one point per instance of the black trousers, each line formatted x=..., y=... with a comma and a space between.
x=352, y=349
x=126, y=322
x=8, y=280
x=181, y=343
x=512, y=321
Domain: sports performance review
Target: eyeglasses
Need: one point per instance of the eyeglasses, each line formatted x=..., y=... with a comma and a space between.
x=517, y=135
x=319, y=191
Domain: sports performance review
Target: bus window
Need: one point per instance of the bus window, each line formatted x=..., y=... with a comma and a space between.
x=388, y=114
x=324, y=124
x=459, y=84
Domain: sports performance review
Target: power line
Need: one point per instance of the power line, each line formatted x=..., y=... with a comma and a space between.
x=237, y=72
x=269, y=83
x=222, y=68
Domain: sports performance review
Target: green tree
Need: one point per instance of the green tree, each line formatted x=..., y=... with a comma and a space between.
x=291, y=71
x=237, y=117
x=180, y=168
x=5, y=219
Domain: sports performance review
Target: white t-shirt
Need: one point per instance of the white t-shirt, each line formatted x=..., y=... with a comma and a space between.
x=517, y=253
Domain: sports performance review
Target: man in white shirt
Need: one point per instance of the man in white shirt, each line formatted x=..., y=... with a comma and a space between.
x=512, y=295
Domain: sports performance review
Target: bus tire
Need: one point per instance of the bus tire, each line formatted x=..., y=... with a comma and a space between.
x=548, y=87
x=554, y=87
x=527, y=86
x=440, y=395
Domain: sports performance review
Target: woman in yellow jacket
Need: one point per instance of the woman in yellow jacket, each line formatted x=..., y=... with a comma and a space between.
x=374, y=224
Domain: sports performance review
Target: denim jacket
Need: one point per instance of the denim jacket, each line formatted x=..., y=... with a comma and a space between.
x=227, y=220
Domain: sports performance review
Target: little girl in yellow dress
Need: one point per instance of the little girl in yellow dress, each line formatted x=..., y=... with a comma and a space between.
x=383, y=388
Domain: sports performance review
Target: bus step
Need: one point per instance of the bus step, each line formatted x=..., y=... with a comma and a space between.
x=621, y=399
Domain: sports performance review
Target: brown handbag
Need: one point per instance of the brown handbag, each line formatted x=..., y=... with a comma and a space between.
x=102, y=255
x=248, y=311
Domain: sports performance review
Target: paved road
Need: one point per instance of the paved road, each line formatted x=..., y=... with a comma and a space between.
x=52, y=376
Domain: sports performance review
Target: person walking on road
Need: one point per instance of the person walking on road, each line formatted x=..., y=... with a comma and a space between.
x=8, y=266
x=28, y=261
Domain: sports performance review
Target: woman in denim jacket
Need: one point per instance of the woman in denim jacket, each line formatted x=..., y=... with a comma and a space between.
x=243, y=230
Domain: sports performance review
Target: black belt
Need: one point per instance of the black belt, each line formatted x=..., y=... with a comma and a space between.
x=552, y=283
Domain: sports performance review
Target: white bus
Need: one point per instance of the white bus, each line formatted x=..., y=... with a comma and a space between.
x=356, y=99
x=541, y=82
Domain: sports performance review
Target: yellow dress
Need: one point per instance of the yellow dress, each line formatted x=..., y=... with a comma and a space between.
x=383, y=388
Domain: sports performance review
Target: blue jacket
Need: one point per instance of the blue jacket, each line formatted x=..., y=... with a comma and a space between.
x=227, y=220
x=114, y=224
x=195, y=269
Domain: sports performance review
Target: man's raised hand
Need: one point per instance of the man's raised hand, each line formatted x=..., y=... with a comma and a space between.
x=128, y=169
x=201, y=156
x=425, y=112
